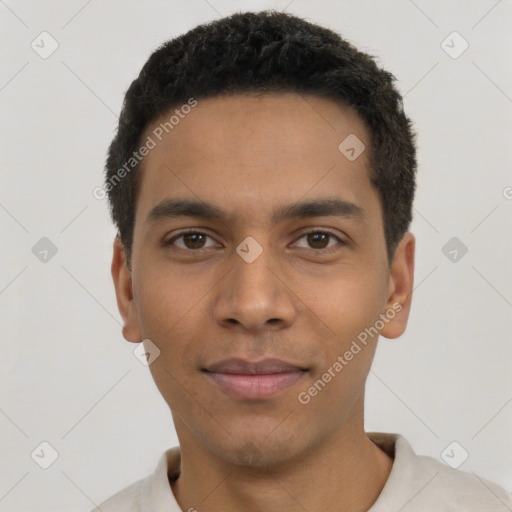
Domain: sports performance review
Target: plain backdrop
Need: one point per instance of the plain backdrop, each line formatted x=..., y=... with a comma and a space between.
x=70, y=379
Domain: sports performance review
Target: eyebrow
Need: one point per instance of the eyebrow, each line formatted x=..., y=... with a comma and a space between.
x=322, y=207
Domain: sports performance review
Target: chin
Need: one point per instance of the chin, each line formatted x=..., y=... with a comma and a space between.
x=259, y=450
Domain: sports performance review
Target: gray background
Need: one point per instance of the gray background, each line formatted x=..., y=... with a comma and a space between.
x=68, y=376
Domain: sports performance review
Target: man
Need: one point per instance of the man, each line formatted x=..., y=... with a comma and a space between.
x=262, y=180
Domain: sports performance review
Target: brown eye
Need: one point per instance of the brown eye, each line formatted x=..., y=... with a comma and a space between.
x=189, y=241
x=320, y=240
x=194, y=240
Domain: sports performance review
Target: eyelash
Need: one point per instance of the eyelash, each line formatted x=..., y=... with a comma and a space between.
x=171, y=241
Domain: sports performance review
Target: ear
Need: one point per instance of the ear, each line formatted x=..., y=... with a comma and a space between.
x=401, y=281
x=122, y=277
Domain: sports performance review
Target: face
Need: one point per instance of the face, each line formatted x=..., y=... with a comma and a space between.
x=288, y=263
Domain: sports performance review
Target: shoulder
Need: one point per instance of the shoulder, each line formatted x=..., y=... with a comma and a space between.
x=127, y=500
x=151, y=493
x=420, y=483
x=438, y=485
x=461, y=490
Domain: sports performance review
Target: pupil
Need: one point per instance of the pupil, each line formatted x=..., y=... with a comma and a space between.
x=320, y=237
x=188, y=238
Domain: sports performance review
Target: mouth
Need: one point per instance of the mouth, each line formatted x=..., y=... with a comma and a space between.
x=246, y=380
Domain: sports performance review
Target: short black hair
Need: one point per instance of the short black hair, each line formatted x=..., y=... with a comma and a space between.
x=267, y=51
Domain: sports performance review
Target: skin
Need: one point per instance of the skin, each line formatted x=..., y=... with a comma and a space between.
x=250, y=154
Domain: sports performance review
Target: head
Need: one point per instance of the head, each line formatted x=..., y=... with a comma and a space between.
x=281, y=126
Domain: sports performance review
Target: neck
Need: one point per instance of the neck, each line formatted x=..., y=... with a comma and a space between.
x=344, y=473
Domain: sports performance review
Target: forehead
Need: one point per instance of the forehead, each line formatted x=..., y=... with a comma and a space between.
x=251, y=153
x=252, y=121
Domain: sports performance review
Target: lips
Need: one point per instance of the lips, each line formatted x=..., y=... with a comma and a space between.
x=258, y=380
x=264, y=367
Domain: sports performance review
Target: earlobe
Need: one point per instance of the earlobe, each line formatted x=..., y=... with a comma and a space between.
x=122, y=278
x=401, y=282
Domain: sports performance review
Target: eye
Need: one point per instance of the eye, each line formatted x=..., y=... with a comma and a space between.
x=194, y=241
x=320, y=240
x=191, y=240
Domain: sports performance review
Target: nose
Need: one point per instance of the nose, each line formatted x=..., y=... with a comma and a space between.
x=255, y=296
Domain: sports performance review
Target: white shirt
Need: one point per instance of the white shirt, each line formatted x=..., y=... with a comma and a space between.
x=417, y=483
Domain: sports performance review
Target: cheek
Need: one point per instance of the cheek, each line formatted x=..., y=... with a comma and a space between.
x=344, y=312
x=346, y=353
x=165, y=300
x=344, y=302
x=172, y=310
